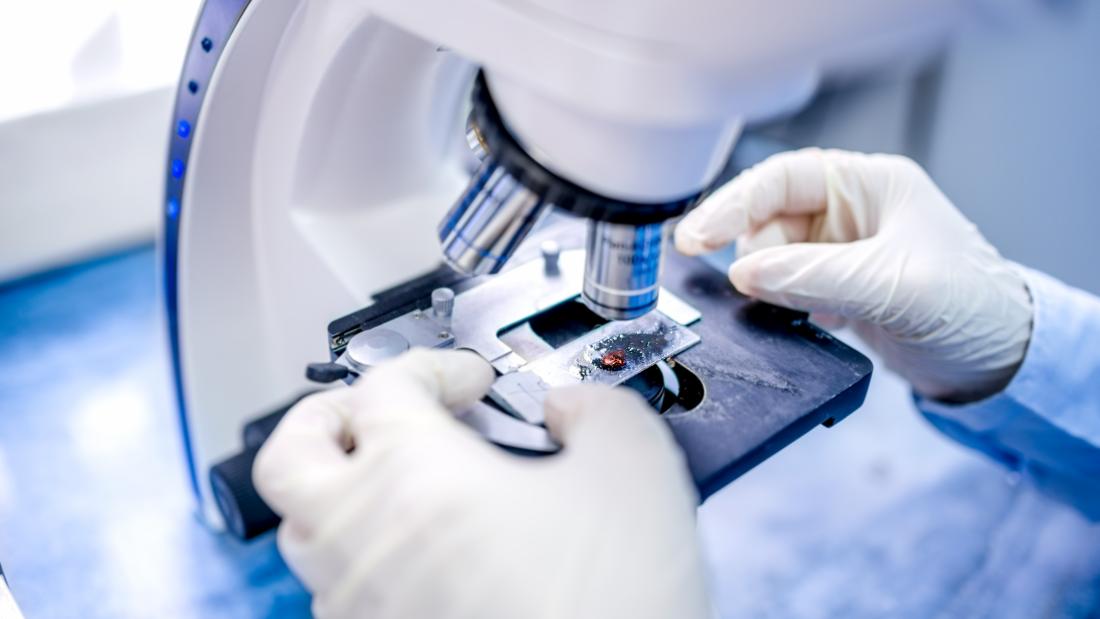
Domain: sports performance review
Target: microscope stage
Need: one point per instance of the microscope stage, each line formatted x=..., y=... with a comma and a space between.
x=736, y=380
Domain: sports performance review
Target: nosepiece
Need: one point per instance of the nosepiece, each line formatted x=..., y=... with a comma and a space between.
x=510, y=192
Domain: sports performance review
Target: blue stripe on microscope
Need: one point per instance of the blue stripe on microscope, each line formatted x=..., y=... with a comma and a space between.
x=217, y=18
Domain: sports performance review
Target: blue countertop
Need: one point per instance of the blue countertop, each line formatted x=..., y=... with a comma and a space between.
x=879, y=516
x=96, y=514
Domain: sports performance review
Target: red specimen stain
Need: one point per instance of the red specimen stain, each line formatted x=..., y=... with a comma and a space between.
x=613, y=360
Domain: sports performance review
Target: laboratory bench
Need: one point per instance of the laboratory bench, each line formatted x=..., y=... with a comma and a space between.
x=879, y=516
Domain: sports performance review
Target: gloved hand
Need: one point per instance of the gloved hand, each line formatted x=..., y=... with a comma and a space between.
x=871, y=238
x=425, y=519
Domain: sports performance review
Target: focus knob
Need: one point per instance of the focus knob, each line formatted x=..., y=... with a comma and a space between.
x=246, y=514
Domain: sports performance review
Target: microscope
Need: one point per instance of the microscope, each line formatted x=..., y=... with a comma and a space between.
x=315, y=145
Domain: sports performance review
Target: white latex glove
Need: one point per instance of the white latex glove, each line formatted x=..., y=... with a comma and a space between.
x=872, y=239
x=426, y=519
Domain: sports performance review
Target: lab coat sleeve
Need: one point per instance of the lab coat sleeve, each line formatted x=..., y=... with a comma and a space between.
x=1046, y=423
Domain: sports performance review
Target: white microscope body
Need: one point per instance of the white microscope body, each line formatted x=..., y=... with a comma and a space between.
x=329, y=138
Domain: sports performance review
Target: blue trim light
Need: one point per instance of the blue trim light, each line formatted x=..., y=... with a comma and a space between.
x=217, y=18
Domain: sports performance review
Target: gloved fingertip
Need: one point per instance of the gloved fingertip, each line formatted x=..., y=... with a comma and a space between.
x=721, y=218
x=563, y=407
x=569, y=409
x=809, y=277
x=604, y=414
x=754, y=276
x=689, y=240
x=469, y=360
x=454, y=378
x=828, y=321
x=465, y=377
x=744, y=275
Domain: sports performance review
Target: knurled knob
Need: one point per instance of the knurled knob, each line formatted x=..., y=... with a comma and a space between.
x=443, y=303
